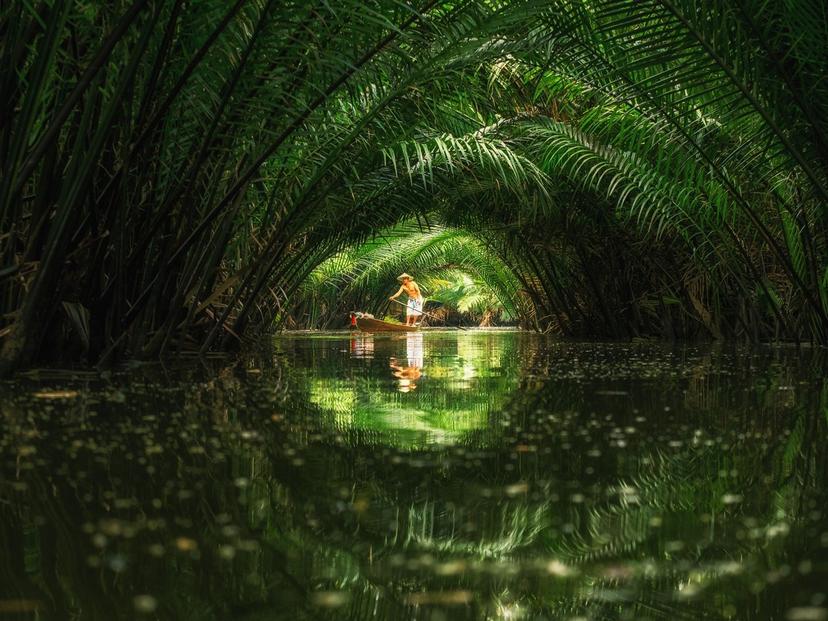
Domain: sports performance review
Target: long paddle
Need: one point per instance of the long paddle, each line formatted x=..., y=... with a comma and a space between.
x=422, y=312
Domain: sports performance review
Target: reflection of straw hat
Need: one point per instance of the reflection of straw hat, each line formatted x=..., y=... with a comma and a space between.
x=404, y=276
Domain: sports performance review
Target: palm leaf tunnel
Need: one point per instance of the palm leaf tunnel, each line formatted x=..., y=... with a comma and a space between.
x=179, y=176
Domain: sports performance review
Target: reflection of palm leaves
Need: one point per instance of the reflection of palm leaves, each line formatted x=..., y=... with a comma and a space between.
x=299, y=557
x=382, y=415
x=509, y=528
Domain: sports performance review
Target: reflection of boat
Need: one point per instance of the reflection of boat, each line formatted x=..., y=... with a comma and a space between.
x=362, y=345
x=367, y=324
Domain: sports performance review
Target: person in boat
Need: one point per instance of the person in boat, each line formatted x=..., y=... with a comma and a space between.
x=414, y=307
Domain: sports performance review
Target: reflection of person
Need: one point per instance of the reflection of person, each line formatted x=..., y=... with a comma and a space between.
x=414, y=307
x=414, y=349
x=408, y=375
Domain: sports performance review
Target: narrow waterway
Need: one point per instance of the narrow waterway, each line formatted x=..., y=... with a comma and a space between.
x=437, y=476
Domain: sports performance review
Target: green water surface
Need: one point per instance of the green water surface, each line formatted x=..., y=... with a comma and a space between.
x=437, y=476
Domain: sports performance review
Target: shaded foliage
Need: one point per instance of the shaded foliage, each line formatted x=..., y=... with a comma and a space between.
x=174, y=171
x=455, y=271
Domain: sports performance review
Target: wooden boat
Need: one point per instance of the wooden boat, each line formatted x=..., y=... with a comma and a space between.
x=367, y=324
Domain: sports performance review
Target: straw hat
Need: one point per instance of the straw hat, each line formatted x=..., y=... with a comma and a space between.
x=403, y=276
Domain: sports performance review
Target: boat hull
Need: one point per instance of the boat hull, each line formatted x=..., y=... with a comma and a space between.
x=366, y=324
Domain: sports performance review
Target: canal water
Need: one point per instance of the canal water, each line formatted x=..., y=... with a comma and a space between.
x=436, y=476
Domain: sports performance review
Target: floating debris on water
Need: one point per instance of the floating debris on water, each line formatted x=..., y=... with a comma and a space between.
x=441, y=598
x=517, y=465
x=145, y=603
x=56, y=394
x=807, y=613
x=330, y=599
